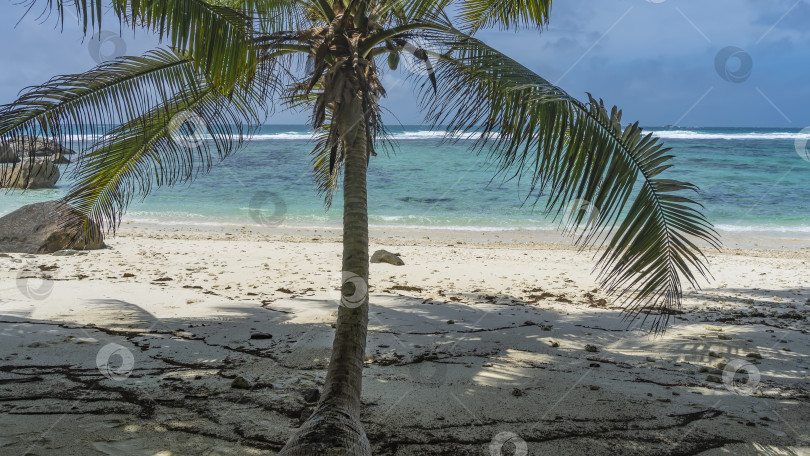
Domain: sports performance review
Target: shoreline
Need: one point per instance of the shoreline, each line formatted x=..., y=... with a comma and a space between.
x=730, y=241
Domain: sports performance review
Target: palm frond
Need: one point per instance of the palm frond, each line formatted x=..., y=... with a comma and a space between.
x=170, y=144
x=216, y=36
x=578, y=155
x=75, y=109
x=505, y=14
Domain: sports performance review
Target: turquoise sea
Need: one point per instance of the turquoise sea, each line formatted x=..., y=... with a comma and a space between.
x=755, y=180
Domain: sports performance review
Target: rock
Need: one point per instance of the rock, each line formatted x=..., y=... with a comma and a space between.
x=384, y=256
x=591, y=348
x=60, y=159
x=517, y=392
x=29, y=174
x=261, y=335
x=240, y=383
x=714, y=379
x=30, y=146
x=37, y=228
x=555, y=344
x=311, y=395
x=754, y=355
x=8, y=154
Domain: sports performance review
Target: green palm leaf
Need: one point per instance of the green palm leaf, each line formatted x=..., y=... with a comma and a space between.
x=578, y=155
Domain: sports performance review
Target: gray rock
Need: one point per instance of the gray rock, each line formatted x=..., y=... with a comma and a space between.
x=30, y=146
x=38, y=228
x=8, y=154
x=29, y=174
x=240, y=383
x=384, y=256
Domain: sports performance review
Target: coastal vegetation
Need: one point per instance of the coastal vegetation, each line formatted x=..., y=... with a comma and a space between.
x=159, y=119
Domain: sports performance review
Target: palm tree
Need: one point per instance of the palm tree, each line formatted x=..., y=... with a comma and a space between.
x=137, y=123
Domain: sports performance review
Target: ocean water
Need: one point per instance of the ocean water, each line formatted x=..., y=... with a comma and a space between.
x=751, y=180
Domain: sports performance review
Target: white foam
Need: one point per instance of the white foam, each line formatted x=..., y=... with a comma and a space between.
x=690, y=134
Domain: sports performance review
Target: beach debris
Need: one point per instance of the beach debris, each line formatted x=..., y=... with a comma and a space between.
x=594, y=388
x=128, y=275
x=311, y=395
x=240, y=383
x=715, y=354
x=384, y=256
x=41, y=228
x=554, y=344
x=405, y=288
x=714, y=328
x=591, y=348
x=650, y=359
x=517, y=392
x=754, y=355
x=261, y=336
x=451, y=322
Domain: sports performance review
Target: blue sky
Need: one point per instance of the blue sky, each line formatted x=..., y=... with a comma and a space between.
x=655, y=59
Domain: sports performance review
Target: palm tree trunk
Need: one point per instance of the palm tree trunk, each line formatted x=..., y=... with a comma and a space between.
x=334, y=427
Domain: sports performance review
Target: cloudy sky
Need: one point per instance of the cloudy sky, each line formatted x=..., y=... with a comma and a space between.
x=732, y=63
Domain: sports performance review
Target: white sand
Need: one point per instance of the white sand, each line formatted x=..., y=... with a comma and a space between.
x=431, y=387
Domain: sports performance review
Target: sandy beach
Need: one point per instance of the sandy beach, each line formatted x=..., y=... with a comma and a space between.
x=181, y=341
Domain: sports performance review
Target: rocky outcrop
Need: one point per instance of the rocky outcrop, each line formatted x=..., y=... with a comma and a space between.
x=384, y=256
x=34, y=147
x=29, y=174
x=29, y=162
x=8, y=154
x=46, y=228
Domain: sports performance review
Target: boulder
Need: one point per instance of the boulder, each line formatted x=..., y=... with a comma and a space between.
x=40, y=228
x=384, y=256
x=31, y=146
x=29, y=174
x=8, y=154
